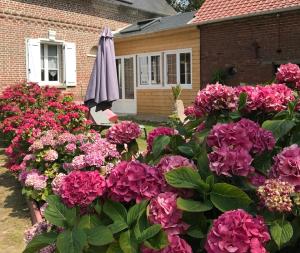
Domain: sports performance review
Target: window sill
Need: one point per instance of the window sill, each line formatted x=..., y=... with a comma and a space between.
x=55, y=85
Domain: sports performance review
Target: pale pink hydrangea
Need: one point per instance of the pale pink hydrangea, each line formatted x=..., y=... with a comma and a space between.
x=134, y=181
x=66, y=138
x=51, y=155
x=37, y=145
x=57, y=182
x=36, y=180
x=102, y=146
x=216, y=97
x=71, y=147
x=37, y=229
x=171, y=162
x=94, y=159
x=290, y=74
x=275, y=195
x=81, y=188
x=163, y=210
x=227, y=161
x=123, y=132
x=78, y=162
x=287, y=166
x=237, y=232
x=158, y=132
x=176, y=245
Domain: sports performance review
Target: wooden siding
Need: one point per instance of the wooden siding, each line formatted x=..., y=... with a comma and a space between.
x=159, y=101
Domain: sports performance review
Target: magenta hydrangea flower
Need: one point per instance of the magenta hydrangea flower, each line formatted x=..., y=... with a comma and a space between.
x=57, y=182
x=123, y=132
x=229, y=135
x=289, y=74
x=227, y=161
x=215, y=97
x=36, y=180
x=163, y=210
x=261, y=139
x=158, y=132
x=275, y=195
x=134, y=181
x=287, y=166
x=170, y=162
x=269, y=98
x=176, y=245
x=81, y=188
x=51, y=155
x=237, y=232
x=257, y=179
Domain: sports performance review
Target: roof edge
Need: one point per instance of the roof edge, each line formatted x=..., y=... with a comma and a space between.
x=261, y=13
x=154, y=32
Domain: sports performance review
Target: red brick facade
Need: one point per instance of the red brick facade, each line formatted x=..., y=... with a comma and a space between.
x=252, y=45
x=77, y=21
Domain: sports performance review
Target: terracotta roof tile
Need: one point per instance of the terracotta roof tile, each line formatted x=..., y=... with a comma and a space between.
x=214, y=10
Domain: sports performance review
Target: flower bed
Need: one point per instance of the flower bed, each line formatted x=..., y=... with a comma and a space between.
x=225, y=181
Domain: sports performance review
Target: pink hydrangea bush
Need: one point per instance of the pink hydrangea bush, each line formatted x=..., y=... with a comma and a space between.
x=234, y=144
x=176, y=245
x=158, y=132
x=163, y=210
x=81, y=188
x=237, y=232
x=123, y=132
x=215, y=97
x=134, y=181
x=171, y=162
x=289, y=74
x=286, y=166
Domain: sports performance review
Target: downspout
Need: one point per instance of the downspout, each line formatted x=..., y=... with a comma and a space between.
x=200, y=69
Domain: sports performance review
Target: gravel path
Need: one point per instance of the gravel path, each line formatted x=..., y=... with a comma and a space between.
x=14, y=215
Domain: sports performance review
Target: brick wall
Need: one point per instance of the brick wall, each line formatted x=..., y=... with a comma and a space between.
x=159, y=101
x=252, y=45
x=78, y=21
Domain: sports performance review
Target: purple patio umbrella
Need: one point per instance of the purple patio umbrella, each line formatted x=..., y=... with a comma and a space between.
x=103, y=85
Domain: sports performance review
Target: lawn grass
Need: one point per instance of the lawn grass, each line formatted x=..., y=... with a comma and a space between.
x=149, y=125
x=14, y=215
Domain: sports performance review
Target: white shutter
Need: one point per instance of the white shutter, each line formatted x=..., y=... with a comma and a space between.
x=70, y=64
x=33, y=60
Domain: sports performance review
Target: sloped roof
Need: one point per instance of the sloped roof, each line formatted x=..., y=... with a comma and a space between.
x=218, y=10
x=157, y=24
x=160, y=7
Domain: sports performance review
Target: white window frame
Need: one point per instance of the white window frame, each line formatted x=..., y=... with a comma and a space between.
x=59, y=57
x=150, y=85
x=122, y=58
x=177, y=52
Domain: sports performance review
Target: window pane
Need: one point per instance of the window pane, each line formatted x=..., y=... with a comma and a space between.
x=119, y=74
x=53, y=75
x=129, y=78
x=42, y=75
x=185, y=68
x=42, y=63
x=155, y=69
x=144, y=69
x=52, y=50
x=52, y=63
x=171, y=69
